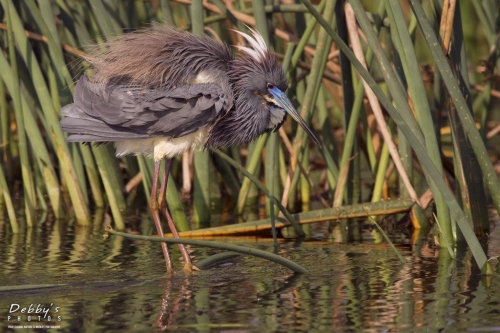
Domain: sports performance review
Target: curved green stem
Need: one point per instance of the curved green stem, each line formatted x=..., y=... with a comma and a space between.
x=230, y=247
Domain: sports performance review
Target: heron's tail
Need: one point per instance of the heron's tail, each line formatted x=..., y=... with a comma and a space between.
x=82, y=122
x=82, y=127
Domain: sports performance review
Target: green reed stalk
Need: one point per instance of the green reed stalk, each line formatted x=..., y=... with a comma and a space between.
x=229, y=177
x=304, y=39
x=383, y=163
x=87, y=160
x=107, y=23
x=260, y=19
x=272, y=181
x=176, y=207
x=54, y=130
x=27, y=173
x=352, y=104
x=201, y=186
x=487, y=24
x=218, y=245
x=253, y=162
x=166, y=12
x=35, y=139
x=53, y=42
x=380, y=208
x=146, y=167
x=332, y=172
x=256, y=181
x=92, y=175
x=472, y=186
x=406, y=50
x=115, y=198
x=313, y=84
x=4, y=188
x=463, y=110
x=5, y=133
x=408, y=126
x=400, y=100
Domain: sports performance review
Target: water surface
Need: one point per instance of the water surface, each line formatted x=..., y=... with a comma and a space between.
x=120, y=285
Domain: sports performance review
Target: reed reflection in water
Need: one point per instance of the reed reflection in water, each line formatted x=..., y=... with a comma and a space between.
x=116, y=284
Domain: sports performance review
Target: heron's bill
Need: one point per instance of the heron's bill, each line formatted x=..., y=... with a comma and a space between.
x=286, y=105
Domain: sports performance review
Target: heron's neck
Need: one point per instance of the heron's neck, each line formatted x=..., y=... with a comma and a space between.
x=277, y=117
x=243, y=123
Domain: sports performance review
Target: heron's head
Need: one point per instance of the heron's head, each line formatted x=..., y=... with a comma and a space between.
x=259, y=85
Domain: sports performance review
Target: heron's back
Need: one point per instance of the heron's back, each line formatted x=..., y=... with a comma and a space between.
x=162, y=57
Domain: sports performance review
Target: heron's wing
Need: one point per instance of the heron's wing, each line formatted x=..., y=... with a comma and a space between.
x=120, y=112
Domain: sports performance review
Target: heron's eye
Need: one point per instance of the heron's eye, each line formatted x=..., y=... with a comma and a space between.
x=270, y=86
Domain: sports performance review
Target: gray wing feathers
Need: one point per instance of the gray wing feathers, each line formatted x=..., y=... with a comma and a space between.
x=118, y=112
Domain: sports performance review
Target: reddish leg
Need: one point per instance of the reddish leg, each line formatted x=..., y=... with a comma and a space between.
x=185, y=255
x=154, y=205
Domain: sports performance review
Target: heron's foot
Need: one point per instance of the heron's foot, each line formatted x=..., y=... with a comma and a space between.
x=189, y=268
x=170, y=273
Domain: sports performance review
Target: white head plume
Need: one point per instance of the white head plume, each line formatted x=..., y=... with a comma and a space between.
x=259, y=48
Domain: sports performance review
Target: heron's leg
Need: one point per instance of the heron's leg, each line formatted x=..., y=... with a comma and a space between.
x=185, y=255
x=155, y=211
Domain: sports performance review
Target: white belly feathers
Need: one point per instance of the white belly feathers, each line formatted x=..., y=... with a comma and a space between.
x=159, y=148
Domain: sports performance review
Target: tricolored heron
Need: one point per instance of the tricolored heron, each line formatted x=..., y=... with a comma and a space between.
x=160, y=92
